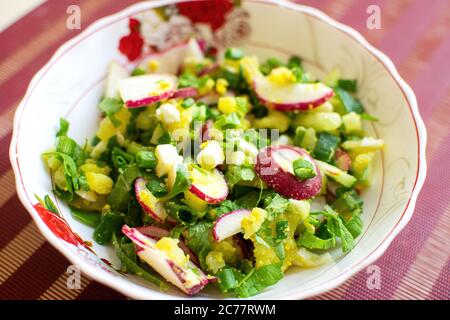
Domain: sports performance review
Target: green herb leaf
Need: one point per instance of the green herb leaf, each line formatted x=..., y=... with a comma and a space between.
x=63, y=127
x=110, y=106
x=259, y=279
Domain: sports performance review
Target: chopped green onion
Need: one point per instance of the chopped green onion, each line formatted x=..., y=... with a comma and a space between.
x=110, y=106
x=234, y=53
x=303, y=169
x=348, y=85
x=146, y=159
x=137, y=72
x=326, y=146
x=294, y=61
x=345, y=102
x=66, y=145
x=187, y=103
x=63, y=127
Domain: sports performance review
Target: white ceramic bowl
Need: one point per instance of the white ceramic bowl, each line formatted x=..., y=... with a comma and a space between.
x=70, y=86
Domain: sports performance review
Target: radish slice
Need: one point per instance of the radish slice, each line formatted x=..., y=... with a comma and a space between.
x=172, y=59
x=189, y=278
x=147, y=89
x=295, y=96
x=209, y=186
x=149, y=203
x=274, y=166
x=185, y=93
x=229, y=224
x=116, y=72
x=157, y=233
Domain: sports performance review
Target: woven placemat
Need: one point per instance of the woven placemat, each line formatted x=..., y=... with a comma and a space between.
x=414, y=33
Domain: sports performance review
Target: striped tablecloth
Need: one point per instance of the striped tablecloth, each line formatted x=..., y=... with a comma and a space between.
x=414, y=33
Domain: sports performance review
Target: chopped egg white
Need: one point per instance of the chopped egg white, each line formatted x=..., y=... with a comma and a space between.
x=168, y=114
x=211, y=155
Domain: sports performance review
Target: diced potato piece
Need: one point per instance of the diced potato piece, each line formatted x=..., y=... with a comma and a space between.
x=253, y=222
x=214, y=261
x=352, y=123
x=92, y=167
x=107, y=129
x=367, y=144
x=319, y=121
x=100, y=183
x=274, y=120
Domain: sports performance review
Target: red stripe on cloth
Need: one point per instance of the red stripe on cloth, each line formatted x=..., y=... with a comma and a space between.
x=5, y=164
x=34, y=22
x=357, y=15
x=441, y=288
x=432, y=83
x=97, y=291
x=15, y=87
x=13, y=218
x=35, y=275
x=424, y=13
x=404, y=249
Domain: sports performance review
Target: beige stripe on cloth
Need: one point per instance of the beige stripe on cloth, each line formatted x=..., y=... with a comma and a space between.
x=19, y=249
x=425, y=270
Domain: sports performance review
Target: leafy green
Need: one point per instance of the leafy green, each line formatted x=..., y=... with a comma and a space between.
x=228, y=121
x=156, y=186
x=198, y=238
x=275, y=205
x=110, y=223
x=259, y=279
x=236, y=174
x=336, y=226
x=311, y=241
x=126, y=254
x=181, y=212
x=120, y=194
x=181, y=184
x=225, y=207
x=110, y=106
x=91, y=219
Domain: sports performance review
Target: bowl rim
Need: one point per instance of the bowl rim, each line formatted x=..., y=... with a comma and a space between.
x=127, y=287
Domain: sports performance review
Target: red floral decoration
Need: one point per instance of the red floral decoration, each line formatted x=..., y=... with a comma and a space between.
x=58, y=226
x=131, y=44
x=212, y=12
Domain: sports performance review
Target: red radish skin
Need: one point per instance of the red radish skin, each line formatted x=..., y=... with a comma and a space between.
x=183, y=93
x=149, y=100
x=139, y=186
x=285, y=183
x=229, y=224
x=174, y=273
x=201, y=195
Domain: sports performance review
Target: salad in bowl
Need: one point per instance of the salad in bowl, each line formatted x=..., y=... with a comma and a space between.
x=218, y=168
